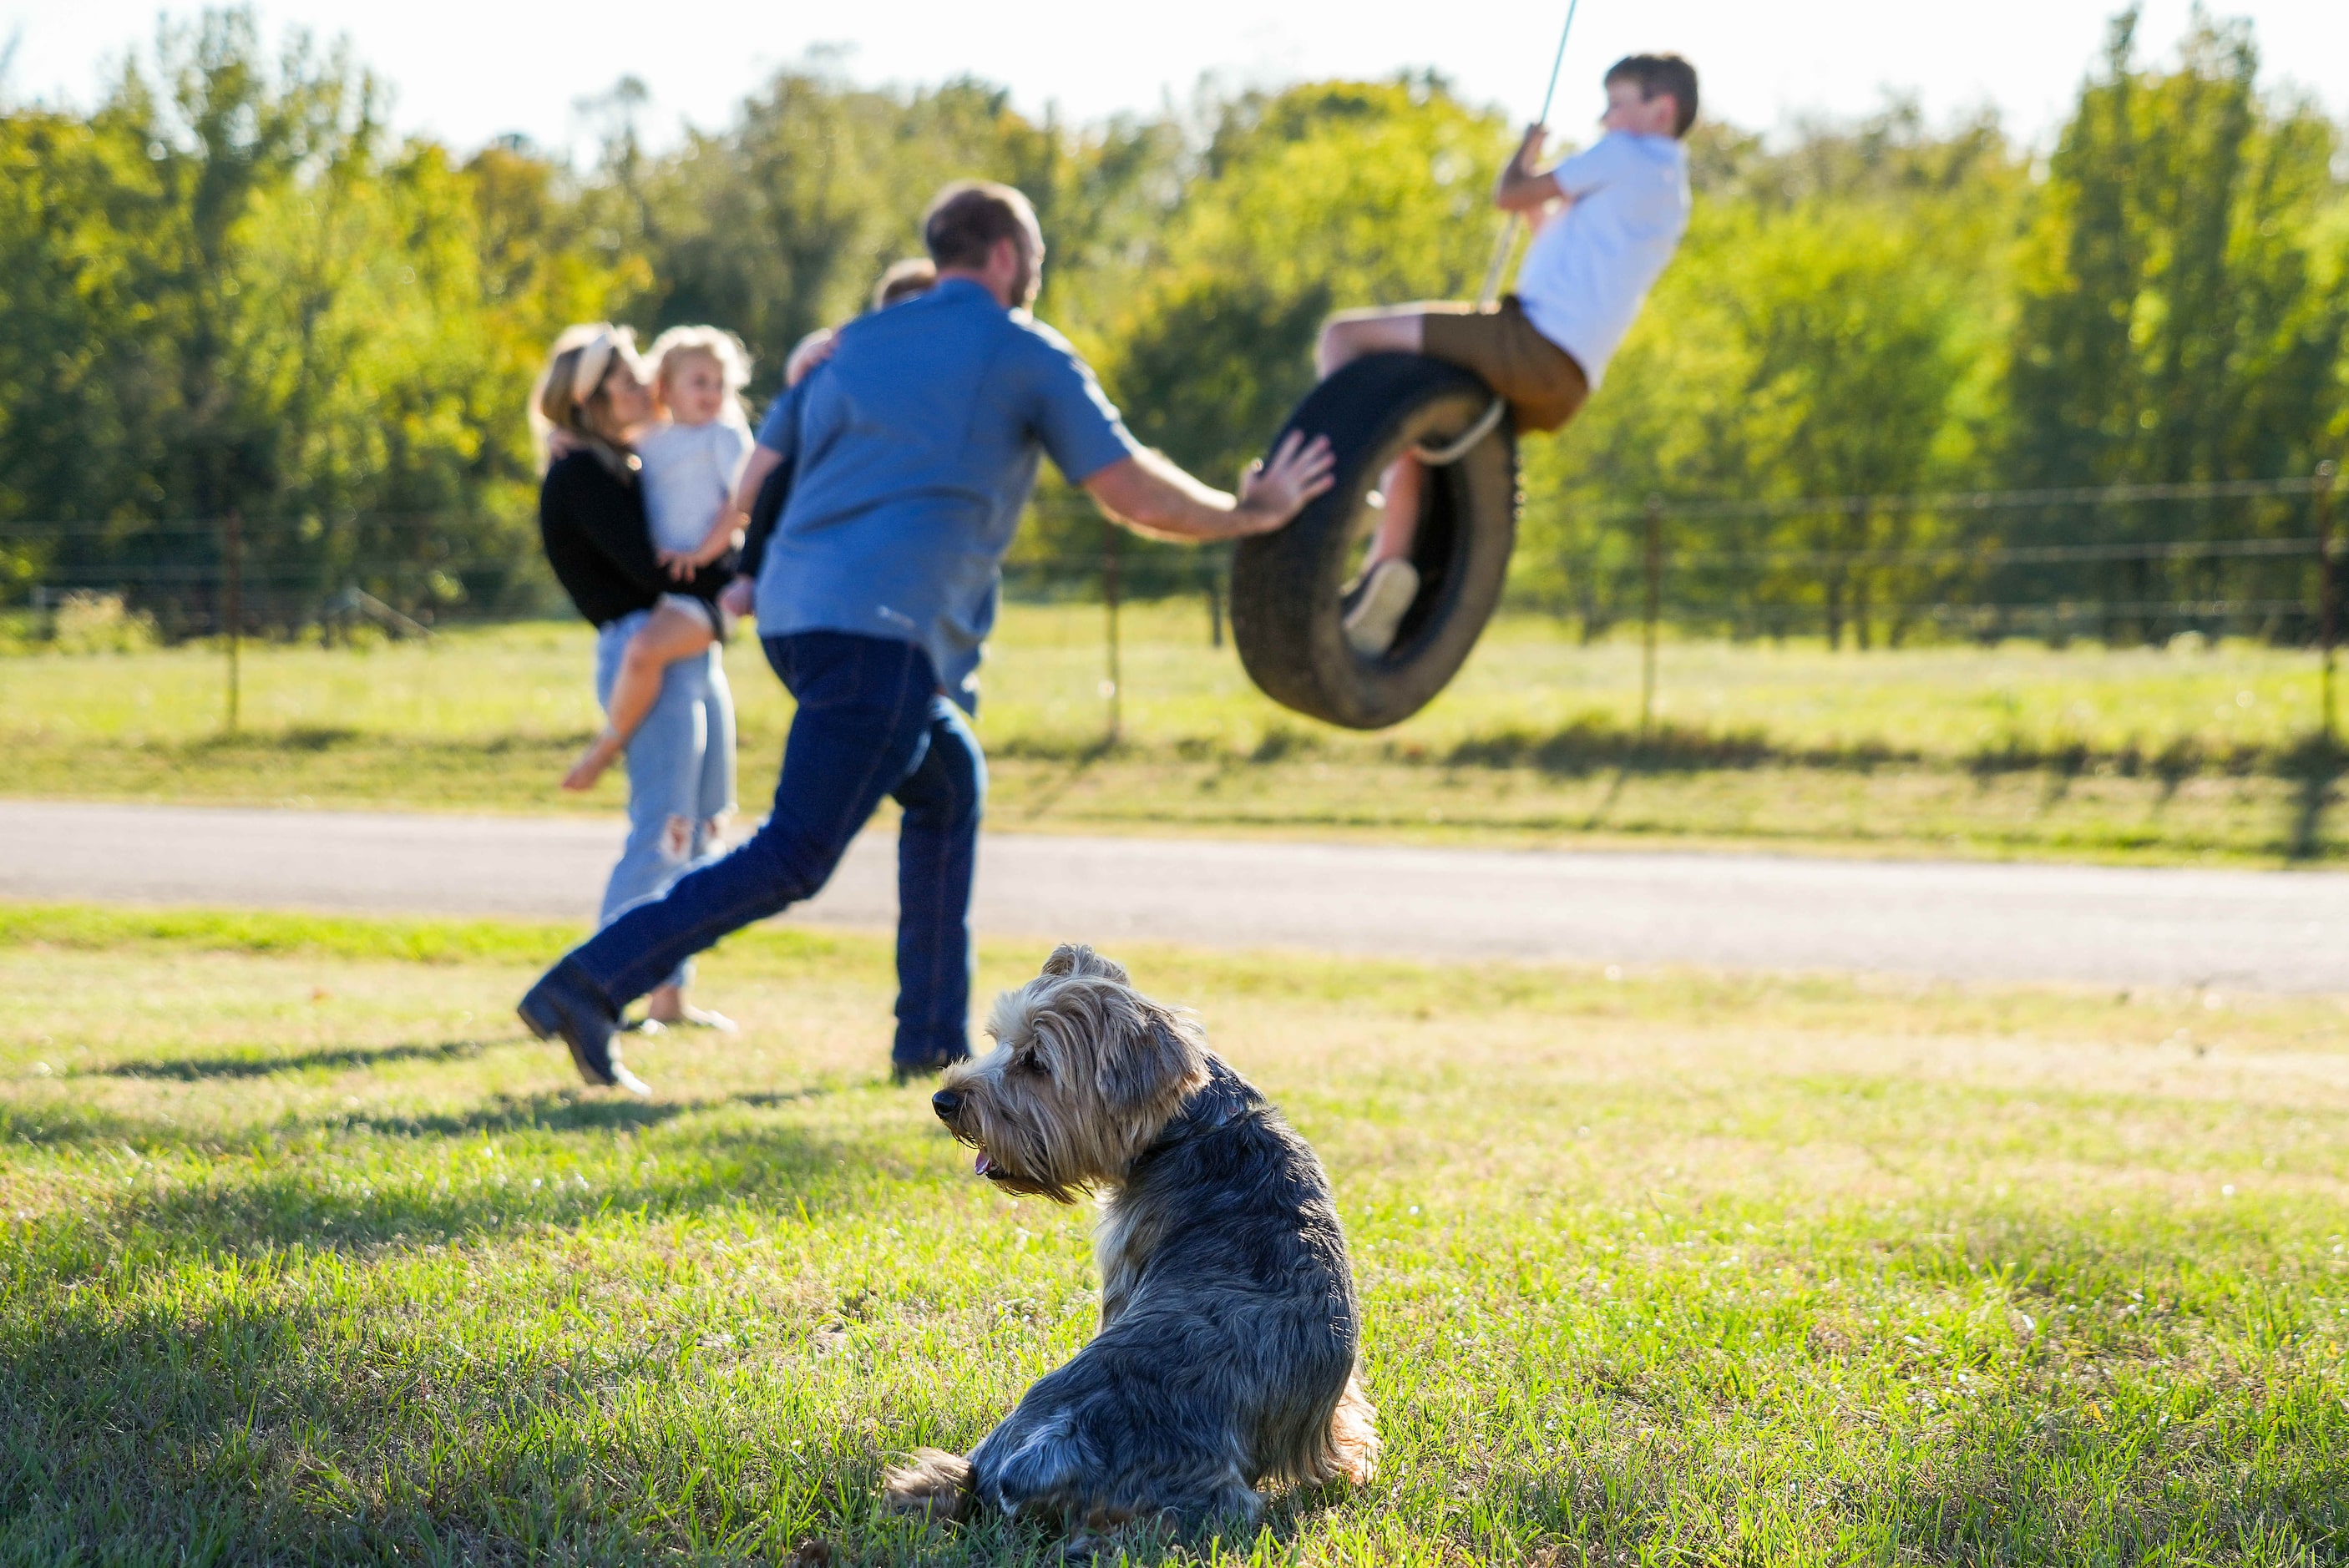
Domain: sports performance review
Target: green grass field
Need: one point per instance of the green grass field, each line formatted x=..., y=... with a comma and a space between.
x=2087, y=753
x=307, y=1255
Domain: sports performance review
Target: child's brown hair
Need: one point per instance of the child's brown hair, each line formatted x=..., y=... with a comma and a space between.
x=1658, y=74
x=904, y=280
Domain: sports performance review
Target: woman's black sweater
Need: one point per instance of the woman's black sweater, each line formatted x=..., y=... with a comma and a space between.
x=592, y=524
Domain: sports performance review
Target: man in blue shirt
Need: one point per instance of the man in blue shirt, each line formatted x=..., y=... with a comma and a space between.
x=913, y=449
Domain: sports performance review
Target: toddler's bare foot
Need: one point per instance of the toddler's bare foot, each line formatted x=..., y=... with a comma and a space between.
x=591, y=762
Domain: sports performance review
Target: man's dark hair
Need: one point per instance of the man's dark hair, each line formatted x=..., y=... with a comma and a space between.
x=1661, y=74
x=969, y=216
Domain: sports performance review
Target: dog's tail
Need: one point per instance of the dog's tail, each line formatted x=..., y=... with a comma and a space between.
x=1351, y=1449
x=933, y=1484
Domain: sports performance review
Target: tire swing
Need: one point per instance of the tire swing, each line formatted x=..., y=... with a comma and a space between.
x=1290, y=589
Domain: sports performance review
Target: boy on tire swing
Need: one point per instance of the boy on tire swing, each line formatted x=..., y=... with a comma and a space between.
x=1609, y=219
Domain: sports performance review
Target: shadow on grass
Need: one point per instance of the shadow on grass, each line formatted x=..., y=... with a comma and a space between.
x=267, y=1436
x=2030, y=1479
x=1079, y=764
x=565, y=1110
x=1597, y=743
x=1599, y=814
x=1593, y=744
x=552, y=1111
x=438, y=751
x=301, y=1407
x=295, y=737
x=221, y=1424
x=283, y=1196
x=770, y=1098
x=2315, y=767
x=344, y=1204
x=253, y=1433
x=196, y=1069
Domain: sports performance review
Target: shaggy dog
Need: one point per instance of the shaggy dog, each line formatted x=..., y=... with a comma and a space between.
x=1229, y=1330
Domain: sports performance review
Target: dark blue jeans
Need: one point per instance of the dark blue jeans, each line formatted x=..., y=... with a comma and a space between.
x=870, y=723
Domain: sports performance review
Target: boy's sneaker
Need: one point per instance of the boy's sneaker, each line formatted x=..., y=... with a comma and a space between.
x=1385, y=598
x=564, y=1003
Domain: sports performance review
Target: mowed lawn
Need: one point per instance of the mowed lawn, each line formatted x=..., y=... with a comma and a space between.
x=306, y=1253
x=2198, y=755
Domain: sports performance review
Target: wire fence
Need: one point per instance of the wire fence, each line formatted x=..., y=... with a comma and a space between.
x=2132, y=563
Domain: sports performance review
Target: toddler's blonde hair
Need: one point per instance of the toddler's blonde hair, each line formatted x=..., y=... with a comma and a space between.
x=733, y=358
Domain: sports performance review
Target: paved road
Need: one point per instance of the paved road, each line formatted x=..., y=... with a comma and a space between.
x=2236, y=929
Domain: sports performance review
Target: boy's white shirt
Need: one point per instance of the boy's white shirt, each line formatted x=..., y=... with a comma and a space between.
x=1589, y=269
x=688, y=474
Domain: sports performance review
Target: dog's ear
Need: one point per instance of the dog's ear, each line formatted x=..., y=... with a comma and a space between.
x=1155, y=1061
x=1076, y=958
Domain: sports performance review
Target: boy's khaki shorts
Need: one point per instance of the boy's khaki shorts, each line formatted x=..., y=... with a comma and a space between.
x=1544, y=386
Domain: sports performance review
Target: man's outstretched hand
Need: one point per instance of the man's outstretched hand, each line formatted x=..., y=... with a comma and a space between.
x=1151, y=496
x=1273, y=492
x=1519, y=188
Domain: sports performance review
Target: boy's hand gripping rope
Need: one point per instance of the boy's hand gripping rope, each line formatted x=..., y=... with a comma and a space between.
x=1454, y=451
x=1509, y=229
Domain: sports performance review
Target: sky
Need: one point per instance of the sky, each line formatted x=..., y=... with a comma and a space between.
x=466, y=70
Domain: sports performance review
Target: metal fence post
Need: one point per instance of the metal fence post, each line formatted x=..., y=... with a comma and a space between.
x=1214, y=602
x=1112, y=688
x=234, y=608
x=1655, y=571
x=2329, y=606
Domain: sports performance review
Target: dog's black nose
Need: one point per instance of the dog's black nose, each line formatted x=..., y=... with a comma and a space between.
x=946, y=1102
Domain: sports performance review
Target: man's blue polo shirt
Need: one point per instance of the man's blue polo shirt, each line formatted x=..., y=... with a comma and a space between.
x=915, y=446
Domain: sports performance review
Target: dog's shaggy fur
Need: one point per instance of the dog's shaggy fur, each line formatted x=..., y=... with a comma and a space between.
x=1229, y=1329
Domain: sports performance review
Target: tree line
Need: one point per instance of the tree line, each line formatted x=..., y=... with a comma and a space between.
x=228, y=288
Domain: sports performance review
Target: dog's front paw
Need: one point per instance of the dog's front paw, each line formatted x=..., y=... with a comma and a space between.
x=1354, y=1442
x=933, y=1484
x=1119, y=1534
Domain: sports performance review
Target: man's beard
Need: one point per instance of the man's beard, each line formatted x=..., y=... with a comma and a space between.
x=1029, y=281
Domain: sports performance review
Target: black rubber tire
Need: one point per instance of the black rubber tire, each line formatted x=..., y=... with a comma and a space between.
x=1287, y=587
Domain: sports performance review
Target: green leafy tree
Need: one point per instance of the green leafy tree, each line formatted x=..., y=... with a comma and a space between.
x=1826, y=330
x=1301, y=202
x=2183, y=305
x=1324, y=196
x=782, y=223
x=228, y=293
x=227, y=288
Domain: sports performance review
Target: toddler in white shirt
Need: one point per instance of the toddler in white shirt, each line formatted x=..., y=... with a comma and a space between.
x=690, y=462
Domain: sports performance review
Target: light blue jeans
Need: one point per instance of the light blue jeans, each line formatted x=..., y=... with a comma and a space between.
x=680, y=773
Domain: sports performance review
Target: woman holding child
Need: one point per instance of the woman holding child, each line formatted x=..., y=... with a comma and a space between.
x=640, y=473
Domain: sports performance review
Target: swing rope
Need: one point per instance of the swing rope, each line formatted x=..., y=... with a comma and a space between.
x=1451, y=451
x=1454, y=451
x=1509, y=230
